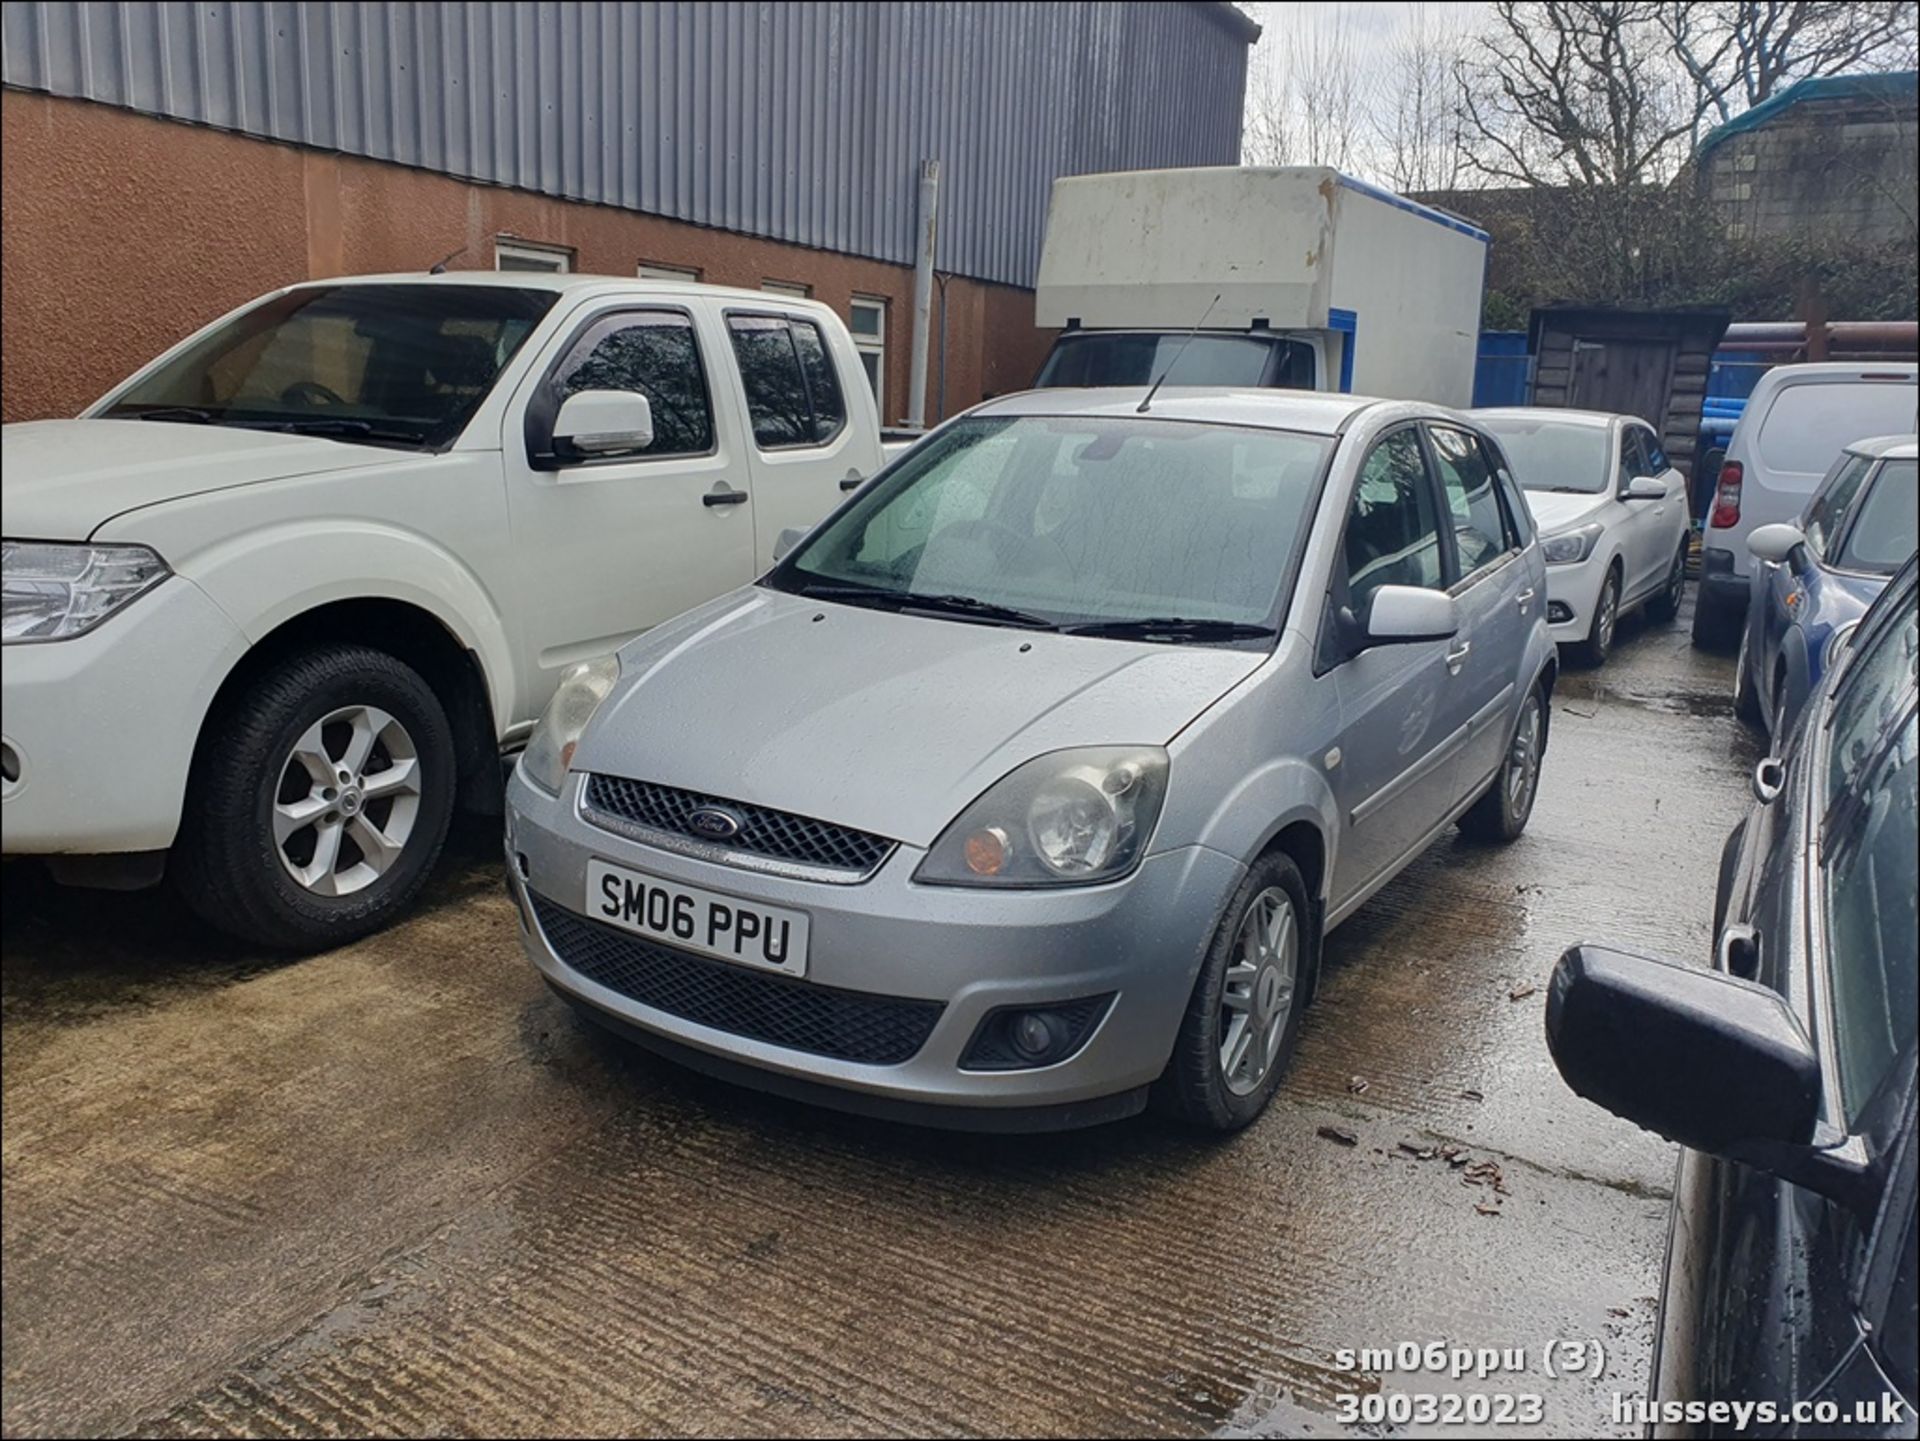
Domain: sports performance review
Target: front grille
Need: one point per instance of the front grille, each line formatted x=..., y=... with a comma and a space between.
x=775, y=835
x=822, y=1021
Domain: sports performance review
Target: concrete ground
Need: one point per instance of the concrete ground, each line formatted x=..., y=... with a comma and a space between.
x=400, y=1189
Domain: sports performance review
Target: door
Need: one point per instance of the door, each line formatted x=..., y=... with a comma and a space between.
x=1650, y=529
x=1394, y=782
x=1626, y=377
x=795, y=377
x=607, y=547
x=1496, y=599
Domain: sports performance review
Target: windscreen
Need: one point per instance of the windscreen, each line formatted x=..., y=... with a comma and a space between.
x=385, y=364
x=1887, y=529
x=1079, y=519
x=1094, y=358
x=1554, y=454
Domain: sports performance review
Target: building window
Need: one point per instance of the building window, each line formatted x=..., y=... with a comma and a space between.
x=524, y=255
x=793, y=396
x=867, y=319
x=650, y=271
x=787, y=287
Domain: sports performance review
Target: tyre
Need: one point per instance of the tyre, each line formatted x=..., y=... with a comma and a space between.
x=1501, y=814
x=1606, y=615
x=1243, y=1020
x=1746, y=695
x=1666, y=605
x=1713, y=621
x=319, y=800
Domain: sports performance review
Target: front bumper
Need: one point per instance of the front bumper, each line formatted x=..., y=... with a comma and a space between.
x=102, y=727
x=971, y=950
x=1573, y=593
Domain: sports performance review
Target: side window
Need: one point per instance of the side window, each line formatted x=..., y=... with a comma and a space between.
x=793, y=395
x=1829, y=506
x=1879, y=676
x=1873, y=850
x=1393, y=535
x=1481, y=531
x=1519, y=517
x=1657, y=462
x=655, y=354
x=1633, y=459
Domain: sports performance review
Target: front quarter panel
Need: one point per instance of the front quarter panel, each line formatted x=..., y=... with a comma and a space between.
x=1253, y=763
x=428, y=532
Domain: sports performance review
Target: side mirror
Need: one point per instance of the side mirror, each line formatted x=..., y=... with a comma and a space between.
x=594, y=423
x=1408, y=613
x=1714, y=1062
x=1645, y=487
x=1777, y=543
x=787, y=540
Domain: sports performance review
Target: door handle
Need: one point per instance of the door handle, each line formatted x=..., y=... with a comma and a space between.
x=723, y=497
x=853, y=482
x=1458, y=656
x=1524, y=599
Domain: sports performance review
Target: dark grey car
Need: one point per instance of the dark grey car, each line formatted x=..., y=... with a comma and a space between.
x=1787, y=1073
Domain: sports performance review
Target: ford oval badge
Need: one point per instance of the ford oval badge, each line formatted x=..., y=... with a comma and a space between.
x=713, y=823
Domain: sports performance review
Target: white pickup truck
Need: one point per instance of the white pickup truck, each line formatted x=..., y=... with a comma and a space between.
x=278, y=601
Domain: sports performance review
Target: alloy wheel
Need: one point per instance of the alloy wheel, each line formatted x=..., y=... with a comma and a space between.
x=346, y=800
x=1261, y=983
x=1523, y=758
x=1609, y=614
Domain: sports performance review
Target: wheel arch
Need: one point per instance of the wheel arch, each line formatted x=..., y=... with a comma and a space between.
x=410, y=634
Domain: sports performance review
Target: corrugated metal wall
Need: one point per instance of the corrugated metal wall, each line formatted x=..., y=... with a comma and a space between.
x=802, y=121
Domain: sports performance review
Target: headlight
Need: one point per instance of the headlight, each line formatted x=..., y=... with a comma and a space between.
x=53, y=590
x=550, y=748
x=1074, y=817
x=1570, y=547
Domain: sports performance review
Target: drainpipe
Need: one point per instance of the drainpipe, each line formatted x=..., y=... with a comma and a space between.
x=923, y=293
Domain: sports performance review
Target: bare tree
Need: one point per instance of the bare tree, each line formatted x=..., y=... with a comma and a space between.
x=1740, y=52
x=1307, y=90
x=1575, y=92
x=1417, y=118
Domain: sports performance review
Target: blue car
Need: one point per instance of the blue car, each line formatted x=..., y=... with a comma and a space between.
x=1816, y=577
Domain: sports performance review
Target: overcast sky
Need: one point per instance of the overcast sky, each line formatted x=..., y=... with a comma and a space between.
x=1300, y=40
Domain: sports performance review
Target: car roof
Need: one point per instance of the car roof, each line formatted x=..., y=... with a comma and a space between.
x=1887, y=447
x=1809, y=372
x=563, y=283
x=1561, y=414
x=1315, y=412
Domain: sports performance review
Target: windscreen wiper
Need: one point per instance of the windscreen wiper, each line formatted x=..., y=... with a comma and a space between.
x=178, y=414
x=972, y=607
x=339, y=428
x=904, y=600
x=1171, y=627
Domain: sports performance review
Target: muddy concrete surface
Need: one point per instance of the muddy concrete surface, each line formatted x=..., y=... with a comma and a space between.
x=398, y=1188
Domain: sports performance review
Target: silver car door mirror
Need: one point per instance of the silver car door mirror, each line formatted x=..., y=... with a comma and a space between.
x=1409, y=613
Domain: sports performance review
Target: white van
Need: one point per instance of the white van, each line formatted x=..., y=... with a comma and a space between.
x=1796, y=422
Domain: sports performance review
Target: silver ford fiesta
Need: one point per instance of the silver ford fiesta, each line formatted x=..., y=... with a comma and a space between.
x=1023, y=789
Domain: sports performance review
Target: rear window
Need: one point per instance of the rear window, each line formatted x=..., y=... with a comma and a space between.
x=1809, y=424
x=1138, y=358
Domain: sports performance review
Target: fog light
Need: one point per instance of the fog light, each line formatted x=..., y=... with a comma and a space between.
x=1559, y=612
x=1020, y=1038
x=1033, y=1034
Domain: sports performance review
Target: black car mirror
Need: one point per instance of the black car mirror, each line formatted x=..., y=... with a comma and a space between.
x=1705, y=1059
